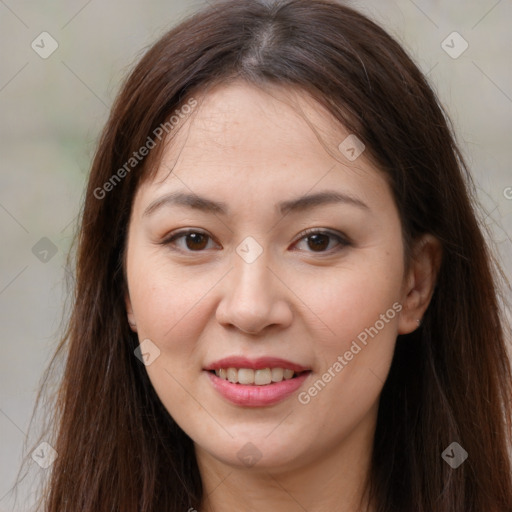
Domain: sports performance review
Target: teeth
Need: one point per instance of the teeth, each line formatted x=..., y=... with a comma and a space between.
x=232, y=374
x=277, y=374
x=288, y=374
x=261, y=377
x=255, y=377
x=245, y=376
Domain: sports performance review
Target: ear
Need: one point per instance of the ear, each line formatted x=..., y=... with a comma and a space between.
x=420, y=281
x=129, y=312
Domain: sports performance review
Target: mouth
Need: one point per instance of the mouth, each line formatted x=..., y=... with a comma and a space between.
x=258, y=377
x=252, y=394
x=256, y=382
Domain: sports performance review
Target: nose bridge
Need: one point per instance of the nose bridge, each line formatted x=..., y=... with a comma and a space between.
x=251, y=286
x=253, y=297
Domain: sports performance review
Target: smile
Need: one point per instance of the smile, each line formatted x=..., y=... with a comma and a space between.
x=256, y=395
x=256, y=382
x=248, y=376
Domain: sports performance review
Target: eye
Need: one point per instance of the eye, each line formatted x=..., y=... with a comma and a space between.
x=195, y=241
x=319, y=240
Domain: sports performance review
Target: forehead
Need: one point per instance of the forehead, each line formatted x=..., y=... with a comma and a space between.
x=241, y=119
x=243, y=138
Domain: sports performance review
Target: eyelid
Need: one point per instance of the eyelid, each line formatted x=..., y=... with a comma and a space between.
x=167, y=240
x=342, y=239
x=322, y=231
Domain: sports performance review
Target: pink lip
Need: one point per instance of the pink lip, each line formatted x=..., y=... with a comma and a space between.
x=255, y=364
x=256, y=396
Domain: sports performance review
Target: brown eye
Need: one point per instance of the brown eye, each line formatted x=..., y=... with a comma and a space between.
x=195, y=241
x=320, y=241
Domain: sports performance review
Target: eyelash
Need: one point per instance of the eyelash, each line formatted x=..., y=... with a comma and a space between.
x=342, y=240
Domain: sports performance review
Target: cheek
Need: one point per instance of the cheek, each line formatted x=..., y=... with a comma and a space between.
x=353, y=298
x=167, y=299
x=170, y=311
x=359, y=307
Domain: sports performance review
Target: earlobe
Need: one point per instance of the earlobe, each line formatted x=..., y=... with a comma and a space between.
x=420, y=282
x=129, y=313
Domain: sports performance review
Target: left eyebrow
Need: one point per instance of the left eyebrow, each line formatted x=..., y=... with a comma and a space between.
x=299, y=204
x=321, y=198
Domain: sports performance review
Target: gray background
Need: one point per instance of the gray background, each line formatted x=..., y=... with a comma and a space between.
x=53, y=109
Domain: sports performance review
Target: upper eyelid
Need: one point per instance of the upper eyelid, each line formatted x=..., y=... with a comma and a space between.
x=342, y=238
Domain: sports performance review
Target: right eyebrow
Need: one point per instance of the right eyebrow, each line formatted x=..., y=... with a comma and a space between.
x=189, y=200
x=299, y=204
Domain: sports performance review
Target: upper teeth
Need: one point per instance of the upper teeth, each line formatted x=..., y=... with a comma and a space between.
x=258, y=377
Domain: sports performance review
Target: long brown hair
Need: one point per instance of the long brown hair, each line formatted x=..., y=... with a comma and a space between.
x=450, y=380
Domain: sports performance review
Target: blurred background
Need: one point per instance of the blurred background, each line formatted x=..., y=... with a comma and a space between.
x=61, y=65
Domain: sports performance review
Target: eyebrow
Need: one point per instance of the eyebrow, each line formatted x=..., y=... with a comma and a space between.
x=299, y=204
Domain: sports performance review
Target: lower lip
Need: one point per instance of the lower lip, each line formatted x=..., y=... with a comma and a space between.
x=257, y=396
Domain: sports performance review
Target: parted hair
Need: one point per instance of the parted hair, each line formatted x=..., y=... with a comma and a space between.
x=118, y=448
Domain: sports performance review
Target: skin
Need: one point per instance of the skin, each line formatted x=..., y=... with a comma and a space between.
x=201, y=302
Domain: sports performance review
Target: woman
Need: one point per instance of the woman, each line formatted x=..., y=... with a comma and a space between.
x=283, y=298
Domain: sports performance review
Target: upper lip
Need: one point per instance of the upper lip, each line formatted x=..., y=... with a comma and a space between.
x=255, y=364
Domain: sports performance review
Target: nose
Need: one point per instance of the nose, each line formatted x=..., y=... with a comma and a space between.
x=254, y=298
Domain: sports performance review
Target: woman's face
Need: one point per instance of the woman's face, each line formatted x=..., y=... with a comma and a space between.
x=248, y=290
